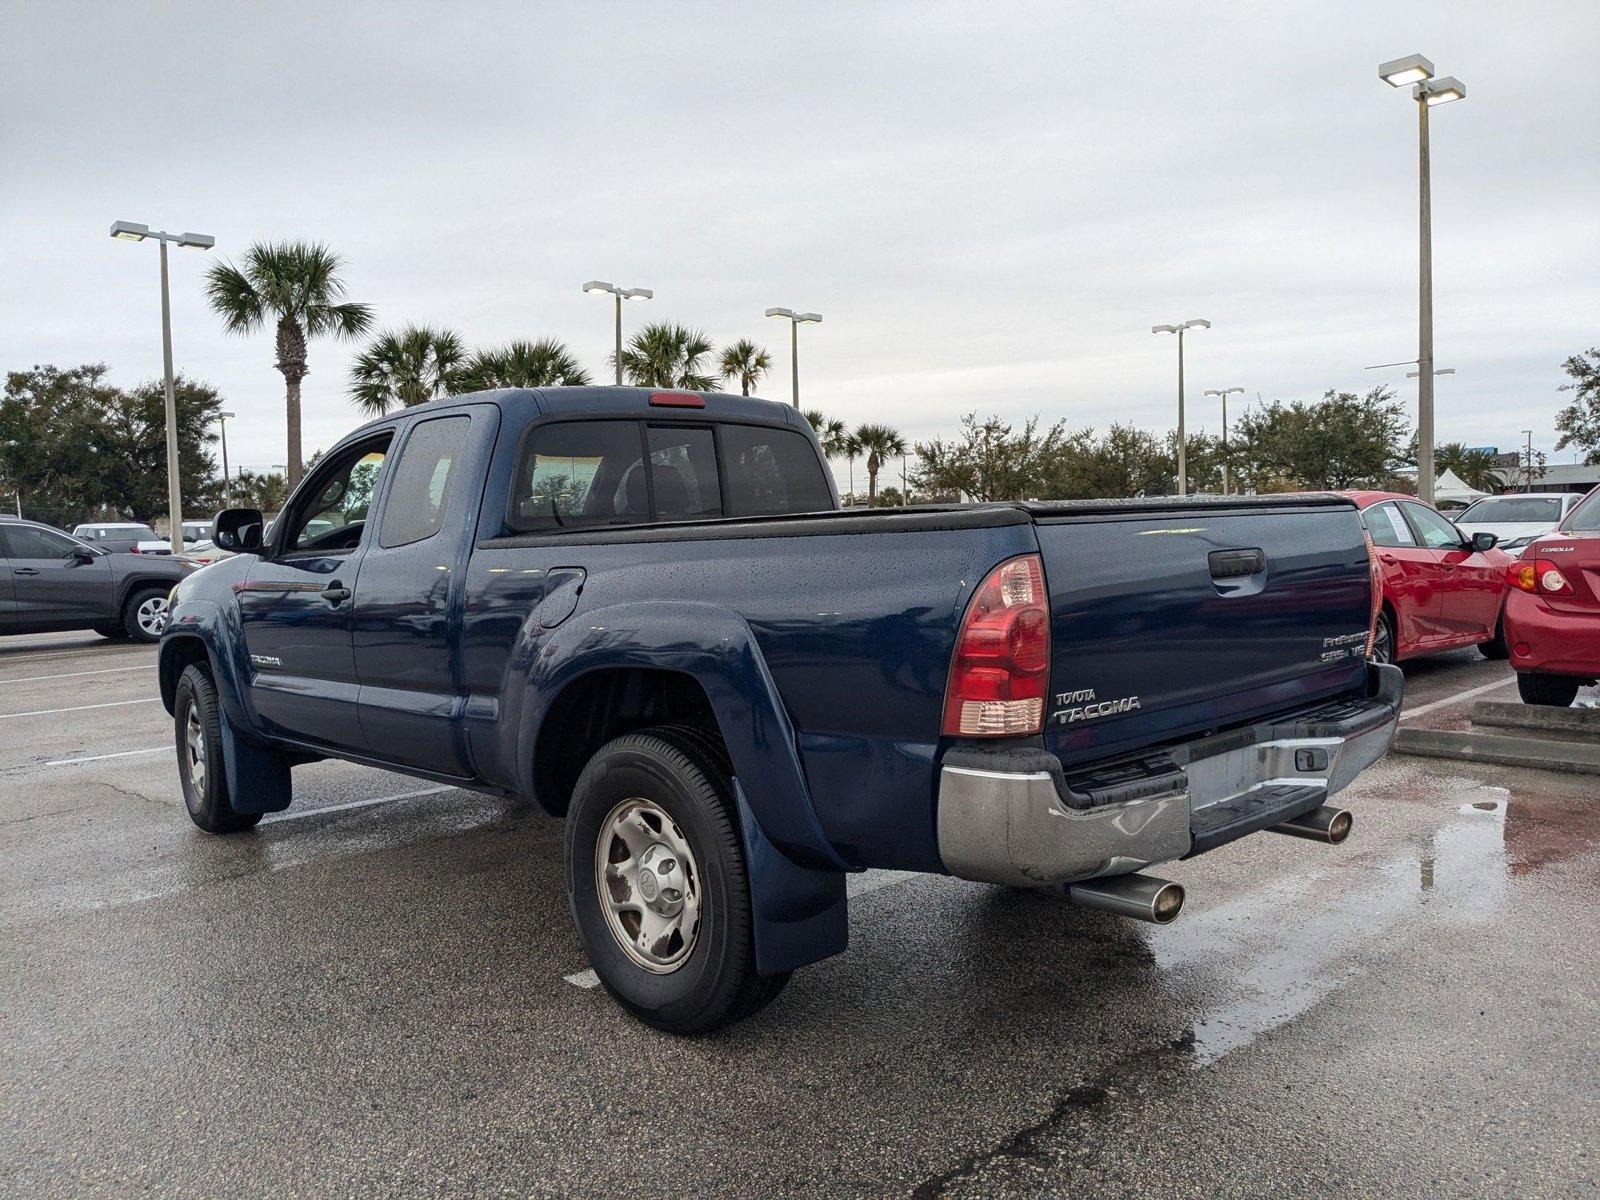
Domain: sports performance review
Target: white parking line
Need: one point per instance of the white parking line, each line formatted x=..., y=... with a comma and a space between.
x=50, y=712
x=78, y=674
x=1407, y=714
x=339, y=808
x=90, y=650
x=68, y=762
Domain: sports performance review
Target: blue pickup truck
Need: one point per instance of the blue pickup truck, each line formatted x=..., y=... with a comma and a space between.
x=645, y=612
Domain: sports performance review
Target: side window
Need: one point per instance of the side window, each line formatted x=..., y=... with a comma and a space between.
x=771, y=471
x=424, y=479
x=683, y=473
x=1388, y=527
x=24, y=541
x=1436, y=532
x=332, y=514
x=581, y=473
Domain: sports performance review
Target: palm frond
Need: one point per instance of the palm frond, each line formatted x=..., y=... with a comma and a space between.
x=233, y=298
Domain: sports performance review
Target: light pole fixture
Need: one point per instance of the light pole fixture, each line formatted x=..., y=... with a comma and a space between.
x=621, y=294
x=1225, y=393
x=1428, y=92
x=227, y=486
x=129, y=231
x=795, y=319
x=1183, y=458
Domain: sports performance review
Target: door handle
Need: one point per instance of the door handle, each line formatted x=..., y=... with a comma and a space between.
x=1389, y=558
x=334, y=594
x=25, y=570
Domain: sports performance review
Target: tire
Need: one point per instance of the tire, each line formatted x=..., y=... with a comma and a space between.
x=144, y=616
x=1558, y=691
x=197, y=728
x=645, y=798
x=1383, y=646
x=1496, y=648
x=117, y=632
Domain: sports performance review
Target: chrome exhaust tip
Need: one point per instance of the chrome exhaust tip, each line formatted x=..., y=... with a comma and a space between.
x=1142, y=897
x=1327, y=824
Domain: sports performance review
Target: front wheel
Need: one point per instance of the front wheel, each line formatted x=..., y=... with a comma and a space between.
x=145, y=614
x=197, y=722
x=1557, y=690
x=658, y=884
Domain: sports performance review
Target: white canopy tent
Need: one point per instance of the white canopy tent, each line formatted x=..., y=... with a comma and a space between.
x=1450, y=488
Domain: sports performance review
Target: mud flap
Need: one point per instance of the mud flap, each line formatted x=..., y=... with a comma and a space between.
x=799, y=914
x=258, y=779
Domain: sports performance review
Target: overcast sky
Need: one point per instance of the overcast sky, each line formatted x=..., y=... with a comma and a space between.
x=989, y=203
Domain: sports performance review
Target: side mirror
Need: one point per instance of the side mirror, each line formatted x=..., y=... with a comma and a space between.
x=239, y=529
x=1484, y=541
x=82, y=554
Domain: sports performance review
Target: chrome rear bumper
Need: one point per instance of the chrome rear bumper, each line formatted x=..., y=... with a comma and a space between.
x=1028, y=828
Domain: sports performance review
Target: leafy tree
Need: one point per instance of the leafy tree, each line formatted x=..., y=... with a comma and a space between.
x=72, y=443
x=1346, y=441
x=830, y=432
x=545, y=363
x=746, y=362
x=1477, y=468
x=1124, y=461
x=1579, y=422
x=878, y=443
x=991, y=461
x=267, y=491
x=398, y=370
x=296, y=287
x=671, y=356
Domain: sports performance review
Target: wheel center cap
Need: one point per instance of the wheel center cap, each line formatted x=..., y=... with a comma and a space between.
x=649, y=886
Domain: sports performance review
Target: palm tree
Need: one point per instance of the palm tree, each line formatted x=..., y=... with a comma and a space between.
x=296, y=286
x=545, y=363
x=877, y=442
x=1477, y=468
x=746, y=362
x=830, y=432
x=413, y=366
x=850, y=450
x=667, y=355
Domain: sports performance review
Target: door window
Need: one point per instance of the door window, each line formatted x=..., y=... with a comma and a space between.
x=1388, y=527
x=1436, y=532
x=683, y=473
x=581, y=473
x=424, y=480
x=24, y=541
x=771, y=471
x=333, y=512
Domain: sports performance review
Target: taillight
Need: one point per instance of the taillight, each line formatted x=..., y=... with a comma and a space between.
x=1375, y=571
x=1538, y=576
x=135, y=548
x=1001, y=665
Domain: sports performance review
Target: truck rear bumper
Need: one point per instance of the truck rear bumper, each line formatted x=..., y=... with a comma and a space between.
x=1015, y=818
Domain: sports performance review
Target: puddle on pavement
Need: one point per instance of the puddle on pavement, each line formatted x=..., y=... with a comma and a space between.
x=1287, y=946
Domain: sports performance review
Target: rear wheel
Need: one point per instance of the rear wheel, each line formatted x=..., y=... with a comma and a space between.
x=1496, y=647
x=116, y=632
x=658, y=884
x=145, y=614
x=1557, y=690
x=197, y=723
x=1383, y=649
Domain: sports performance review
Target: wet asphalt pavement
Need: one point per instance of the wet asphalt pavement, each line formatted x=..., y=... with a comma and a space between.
x=370, y=995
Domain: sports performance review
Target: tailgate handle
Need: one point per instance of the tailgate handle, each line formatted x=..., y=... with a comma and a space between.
x=1231, y=564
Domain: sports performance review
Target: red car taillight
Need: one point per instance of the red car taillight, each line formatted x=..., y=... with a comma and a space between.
x=1376, y=572
x=1538, y=576
x=1001, y=666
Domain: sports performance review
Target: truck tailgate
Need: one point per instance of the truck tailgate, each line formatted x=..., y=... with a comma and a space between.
x=1172, y=617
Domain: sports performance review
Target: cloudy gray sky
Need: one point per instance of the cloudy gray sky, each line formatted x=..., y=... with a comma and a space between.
x=990, y=204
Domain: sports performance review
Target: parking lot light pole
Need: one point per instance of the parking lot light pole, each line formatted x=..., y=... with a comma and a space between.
x=227, y=487
x=1183, y=459
x=129, y=231
x=795, y=319
x=1427, y=91
x=1225, y=393
x=601, y=288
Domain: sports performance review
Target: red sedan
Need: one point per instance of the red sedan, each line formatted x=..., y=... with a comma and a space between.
x=1552, y=616
x=1441, y=589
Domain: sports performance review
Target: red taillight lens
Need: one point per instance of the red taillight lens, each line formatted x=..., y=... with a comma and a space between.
x=1001, y=666
x=1538, y=576
x=1520, y=575
x=677, y=400
x=135, y=549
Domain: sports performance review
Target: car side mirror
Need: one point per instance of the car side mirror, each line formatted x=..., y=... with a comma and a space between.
x=82, y=554
x=239, y=529
x=1484, y=541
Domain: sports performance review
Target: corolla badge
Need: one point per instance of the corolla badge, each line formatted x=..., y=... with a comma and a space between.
x=1084, y=706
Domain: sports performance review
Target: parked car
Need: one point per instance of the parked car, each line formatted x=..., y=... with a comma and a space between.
x=1441, y=589
x=50, y=581
x=1553, y=609
x=205, y=552
x=124, y=536
x=196, y=531
x=644, y=612
x=1517, y=520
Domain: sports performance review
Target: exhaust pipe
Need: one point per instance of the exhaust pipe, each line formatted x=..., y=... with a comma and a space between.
x=1326, y=824
x=1143, y=897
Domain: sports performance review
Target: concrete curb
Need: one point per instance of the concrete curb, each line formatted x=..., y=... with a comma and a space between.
x=1546, y=754
x=1580, y=724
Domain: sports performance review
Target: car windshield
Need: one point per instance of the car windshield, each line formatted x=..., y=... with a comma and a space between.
x=1530, y=510
x=1586, y=516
